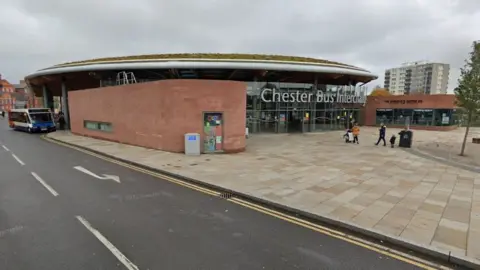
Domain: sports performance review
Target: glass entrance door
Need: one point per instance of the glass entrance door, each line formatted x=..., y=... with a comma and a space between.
x=282, y=123
x=295, y=121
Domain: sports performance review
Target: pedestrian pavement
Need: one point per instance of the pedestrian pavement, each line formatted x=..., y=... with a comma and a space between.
x=449, y=149
x=385, y=190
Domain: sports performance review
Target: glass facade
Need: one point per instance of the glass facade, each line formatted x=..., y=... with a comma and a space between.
x=278, y=107
x=417, y=117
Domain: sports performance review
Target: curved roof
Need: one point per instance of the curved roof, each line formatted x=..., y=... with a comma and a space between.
x=206, y=56
x=207, y=61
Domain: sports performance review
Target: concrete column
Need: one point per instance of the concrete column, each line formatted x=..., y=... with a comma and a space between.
x=314, y=109
x=65, y=109
x=45, y=96
x=254, y=108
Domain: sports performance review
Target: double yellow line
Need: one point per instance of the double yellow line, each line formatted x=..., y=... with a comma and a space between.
x=294, y=220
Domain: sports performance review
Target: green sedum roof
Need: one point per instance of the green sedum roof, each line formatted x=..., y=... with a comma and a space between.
x=208, y=56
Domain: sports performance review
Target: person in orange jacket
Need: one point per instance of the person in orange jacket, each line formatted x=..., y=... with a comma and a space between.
x=356, y=132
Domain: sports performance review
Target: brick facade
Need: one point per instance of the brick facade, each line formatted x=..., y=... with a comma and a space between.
x=158, y=114
x=7, y=99
x=409, y=102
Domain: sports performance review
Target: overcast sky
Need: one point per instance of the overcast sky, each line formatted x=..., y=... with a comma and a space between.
x=373, y=34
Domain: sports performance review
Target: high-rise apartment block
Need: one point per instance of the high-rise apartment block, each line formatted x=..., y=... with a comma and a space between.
x=418, y=77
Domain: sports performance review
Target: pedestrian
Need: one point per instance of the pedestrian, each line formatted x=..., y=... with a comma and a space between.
x=3, y=114
x=61, y=121
x=381, y=134
x=356, y=133
x=348, y=136
x=392, y=140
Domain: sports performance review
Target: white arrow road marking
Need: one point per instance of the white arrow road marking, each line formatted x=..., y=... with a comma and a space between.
x=122, y=258
x=17, y=159
x=44, y=184
x=6, y=149
x=104, y=177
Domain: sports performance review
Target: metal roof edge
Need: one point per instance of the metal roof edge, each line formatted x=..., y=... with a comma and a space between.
x=246, y=65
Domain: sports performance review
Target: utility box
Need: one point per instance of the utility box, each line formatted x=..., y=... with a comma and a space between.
x=406, y=138
x=192, y=144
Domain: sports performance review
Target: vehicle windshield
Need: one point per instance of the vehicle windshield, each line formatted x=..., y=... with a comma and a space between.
x=41, y=117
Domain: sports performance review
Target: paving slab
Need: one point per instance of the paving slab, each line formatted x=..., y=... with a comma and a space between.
x=386, y=190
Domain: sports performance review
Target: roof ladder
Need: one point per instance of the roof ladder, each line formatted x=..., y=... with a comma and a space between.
x=125, y=78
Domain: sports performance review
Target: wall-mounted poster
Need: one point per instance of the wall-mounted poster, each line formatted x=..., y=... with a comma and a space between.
x=445, y=120
x=213, y=131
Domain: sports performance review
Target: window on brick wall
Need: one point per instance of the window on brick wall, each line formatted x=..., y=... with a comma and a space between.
x=100, y=126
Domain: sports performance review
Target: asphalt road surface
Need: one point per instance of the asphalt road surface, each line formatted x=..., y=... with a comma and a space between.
x=53, y=216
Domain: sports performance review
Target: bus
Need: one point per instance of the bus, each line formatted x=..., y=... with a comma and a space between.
x=32, y=120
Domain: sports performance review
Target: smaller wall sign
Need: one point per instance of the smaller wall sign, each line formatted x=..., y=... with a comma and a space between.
x=405, y=101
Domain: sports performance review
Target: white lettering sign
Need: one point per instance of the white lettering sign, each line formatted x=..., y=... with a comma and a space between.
x=271, y=95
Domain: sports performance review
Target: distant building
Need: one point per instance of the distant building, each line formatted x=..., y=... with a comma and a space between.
x=34, y=102
x=7, y=96
x=21, y=96
x=21, y=87
x=418, y=77
x=17, y=96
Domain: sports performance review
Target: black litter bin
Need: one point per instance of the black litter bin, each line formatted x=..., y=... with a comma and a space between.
x=405, y=140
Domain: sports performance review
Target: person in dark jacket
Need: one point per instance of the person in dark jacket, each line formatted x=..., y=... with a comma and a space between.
x=61, y=121
x=392, y=140
x=381, y=134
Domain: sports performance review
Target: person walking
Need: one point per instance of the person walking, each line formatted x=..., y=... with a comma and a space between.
x=356, y=133
x=61, y=121
x=381, y=134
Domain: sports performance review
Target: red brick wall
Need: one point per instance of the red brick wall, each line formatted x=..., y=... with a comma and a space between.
x=408, y=102
x=158, y=114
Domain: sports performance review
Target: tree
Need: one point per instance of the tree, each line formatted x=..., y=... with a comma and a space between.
x=468, y=90
x=380, y=92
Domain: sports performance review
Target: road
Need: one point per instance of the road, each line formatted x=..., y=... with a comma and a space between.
x=53, y=216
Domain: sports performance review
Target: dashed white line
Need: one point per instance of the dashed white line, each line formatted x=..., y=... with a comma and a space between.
x=128, y=264
x=17, y=159
x=6, y=149
x=44, y=184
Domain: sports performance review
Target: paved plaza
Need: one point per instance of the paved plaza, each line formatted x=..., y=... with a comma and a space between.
x=391, y=191
x=447, y=146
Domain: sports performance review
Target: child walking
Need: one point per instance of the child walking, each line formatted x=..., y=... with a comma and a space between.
x=356, y=133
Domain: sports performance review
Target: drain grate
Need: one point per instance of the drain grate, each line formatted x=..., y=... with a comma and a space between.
x=226, y=195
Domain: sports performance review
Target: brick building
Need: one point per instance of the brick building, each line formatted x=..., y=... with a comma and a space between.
x=7, y=95
x=154, y=100
x=430, y=112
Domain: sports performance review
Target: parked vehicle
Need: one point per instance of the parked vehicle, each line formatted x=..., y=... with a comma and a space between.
x=32, y=120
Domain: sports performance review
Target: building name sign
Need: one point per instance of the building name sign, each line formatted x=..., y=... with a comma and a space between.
x=271, y=95
x=410, y=101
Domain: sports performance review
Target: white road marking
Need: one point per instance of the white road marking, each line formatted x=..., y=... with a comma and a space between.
x=17, y=159
x=6, y=149
x=104, y=177
x=49, y=188
x=128, y=264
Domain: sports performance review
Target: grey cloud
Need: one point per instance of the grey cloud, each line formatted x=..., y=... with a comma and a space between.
x=370, y=33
